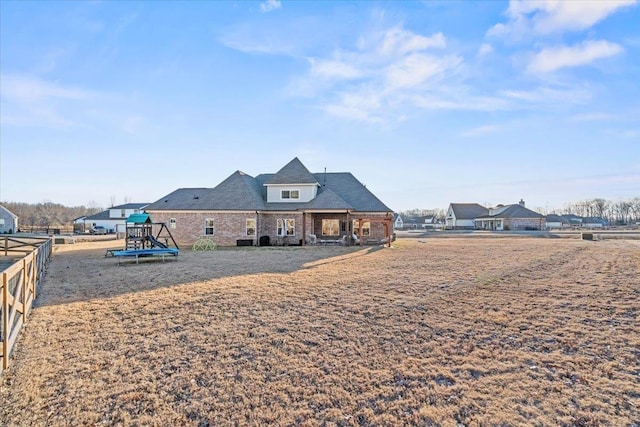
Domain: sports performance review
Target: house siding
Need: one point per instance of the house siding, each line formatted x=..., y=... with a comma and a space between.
x=10, y=221
x=463, y=224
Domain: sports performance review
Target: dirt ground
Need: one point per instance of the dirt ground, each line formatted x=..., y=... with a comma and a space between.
x=450, y=332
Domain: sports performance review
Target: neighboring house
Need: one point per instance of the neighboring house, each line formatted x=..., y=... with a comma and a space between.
x=575, y=221
x=292, y=206
x=398, y=223
x=461, y=216
x=554, y=221
x=420, y=222
x=8, y=221
x=594, y=222
x=510, y=217
x=113, y=219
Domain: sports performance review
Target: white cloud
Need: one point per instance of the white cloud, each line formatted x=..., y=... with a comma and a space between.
x=270, y=5
x=548, y=96
x=30, y=101
x=27, y=89
x=485, y=49
x=397, y=41
x=462, y=102
x=393, y=64
x=555, y=16
x=416, y=69
x=359, y=106
x=551, y=59
x=334, y=69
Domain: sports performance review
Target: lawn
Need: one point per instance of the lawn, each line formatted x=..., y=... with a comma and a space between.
x=450, y=331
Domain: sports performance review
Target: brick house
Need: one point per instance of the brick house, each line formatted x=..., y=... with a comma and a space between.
x=290, y=207
x=510, y=217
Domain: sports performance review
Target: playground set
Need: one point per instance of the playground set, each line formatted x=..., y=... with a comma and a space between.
x=140, y=240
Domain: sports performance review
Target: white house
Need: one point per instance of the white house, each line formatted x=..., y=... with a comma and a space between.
x=461, y=216
x=8, y=221
x=114, y=219
x=397, y=222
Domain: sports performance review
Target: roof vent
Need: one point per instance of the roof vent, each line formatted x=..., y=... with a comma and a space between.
x=196, y=197
x=521, y=202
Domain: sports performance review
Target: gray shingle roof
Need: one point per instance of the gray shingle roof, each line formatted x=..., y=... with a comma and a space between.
x=242, y=192
x=293, y=172
x=238, y=192
x=105, y=214
x=468, y=210
x=327, y=199
x=514, y=211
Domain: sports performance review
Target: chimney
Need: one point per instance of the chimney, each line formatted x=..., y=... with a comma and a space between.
x=521, y=203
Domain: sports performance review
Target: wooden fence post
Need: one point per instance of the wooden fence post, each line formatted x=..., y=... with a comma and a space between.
x=5, y=322
x=24, y=290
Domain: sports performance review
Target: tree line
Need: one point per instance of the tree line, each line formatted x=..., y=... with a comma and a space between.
x=622, y=212
x=48, y=214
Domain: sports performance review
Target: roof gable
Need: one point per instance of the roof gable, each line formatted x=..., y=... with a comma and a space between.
x=468, y=210
x=293, y=172
x=8, y=211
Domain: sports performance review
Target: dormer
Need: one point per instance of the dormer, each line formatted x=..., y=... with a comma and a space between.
x=291, y=184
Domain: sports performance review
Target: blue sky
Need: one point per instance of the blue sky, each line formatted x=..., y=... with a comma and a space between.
x=426, y=103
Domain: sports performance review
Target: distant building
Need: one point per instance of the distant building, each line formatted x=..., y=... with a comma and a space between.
x=510, y=217
x=8, y=221
x=113, y=219
x=461, y=216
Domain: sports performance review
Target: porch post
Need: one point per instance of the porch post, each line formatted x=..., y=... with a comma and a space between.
x=348, y=230
x=304, y=228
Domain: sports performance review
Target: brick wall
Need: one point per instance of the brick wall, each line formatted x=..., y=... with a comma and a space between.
x=230, y=227
x=523, y=224
x=268, y=226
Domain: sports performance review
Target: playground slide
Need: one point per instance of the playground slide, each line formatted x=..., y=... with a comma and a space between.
x=155, y=242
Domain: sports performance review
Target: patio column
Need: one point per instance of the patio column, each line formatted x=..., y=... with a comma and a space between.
x=304, y=228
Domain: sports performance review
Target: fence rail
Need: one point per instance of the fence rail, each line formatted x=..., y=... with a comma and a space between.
x=19, y=286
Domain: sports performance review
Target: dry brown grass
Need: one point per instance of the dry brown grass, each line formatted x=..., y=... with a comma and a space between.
x=461, y=331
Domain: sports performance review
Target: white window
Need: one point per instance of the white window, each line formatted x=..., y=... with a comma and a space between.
x=208, y=227
x=330, y=227
x=366, y=228
x=290, y=194
x=251, y=227
x=172, y=223
x=286, y=227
